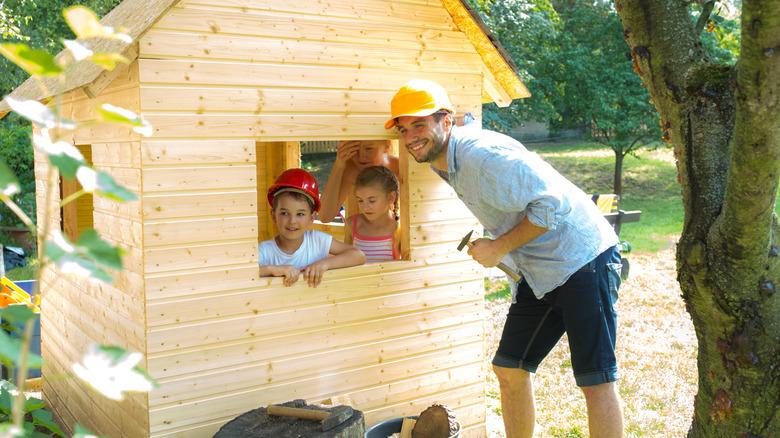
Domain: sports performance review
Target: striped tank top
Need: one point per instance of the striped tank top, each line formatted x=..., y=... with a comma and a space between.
x=376, y=249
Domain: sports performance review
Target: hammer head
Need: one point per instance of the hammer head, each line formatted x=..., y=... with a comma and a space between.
x=466, y=239
x=338, y=415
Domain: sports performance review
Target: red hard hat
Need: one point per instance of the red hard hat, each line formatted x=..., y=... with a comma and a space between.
x=296, y=180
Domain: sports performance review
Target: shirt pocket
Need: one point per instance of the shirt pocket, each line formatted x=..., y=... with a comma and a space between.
x=614, y=280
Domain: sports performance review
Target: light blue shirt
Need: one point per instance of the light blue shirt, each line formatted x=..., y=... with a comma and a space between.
x=501, y=182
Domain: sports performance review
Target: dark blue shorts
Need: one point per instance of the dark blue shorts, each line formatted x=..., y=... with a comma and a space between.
x=583, y=308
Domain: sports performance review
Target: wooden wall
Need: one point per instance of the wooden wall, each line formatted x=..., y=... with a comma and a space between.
x=217, y=77
x=77, y=312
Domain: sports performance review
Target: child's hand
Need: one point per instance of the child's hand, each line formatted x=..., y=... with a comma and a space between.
x=313, y=273
x=347, y=150
x=289, y=272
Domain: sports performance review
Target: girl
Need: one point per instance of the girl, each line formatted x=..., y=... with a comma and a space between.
x=375, y=229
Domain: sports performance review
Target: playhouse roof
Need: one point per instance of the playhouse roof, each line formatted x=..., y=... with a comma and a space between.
x=135, y=17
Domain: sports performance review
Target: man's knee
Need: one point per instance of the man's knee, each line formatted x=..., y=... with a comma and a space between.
x=600, y=391
x=512, y=377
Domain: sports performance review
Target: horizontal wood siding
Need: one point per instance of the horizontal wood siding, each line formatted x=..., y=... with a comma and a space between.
x=78, y=312
x=221, y=80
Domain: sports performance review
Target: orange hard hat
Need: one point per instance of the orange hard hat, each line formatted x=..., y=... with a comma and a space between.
x=296, y=180
x=418, y=97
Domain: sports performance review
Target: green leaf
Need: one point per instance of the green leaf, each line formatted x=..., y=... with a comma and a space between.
x=38, y=113
x=67, y=165
x=17, y=314
x=85, y=24
x=36, y=62
x=81, y=432
x=114, y=114
x=44, y=418
x=9, y=185
x=6, y=401
x=33, y=404
x=87, y=258
x=101, y=251
x=11, y=349
x=108, y=60
x=108, y=187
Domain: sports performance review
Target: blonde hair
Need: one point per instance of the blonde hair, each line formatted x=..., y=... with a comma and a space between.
x=384, y=178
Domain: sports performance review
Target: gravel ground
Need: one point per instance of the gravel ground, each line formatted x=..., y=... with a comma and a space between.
x=656, y=356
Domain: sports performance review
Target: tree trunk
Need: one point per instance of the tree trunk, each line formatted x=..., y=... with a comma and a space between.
x=617, y=178
x=724, y=129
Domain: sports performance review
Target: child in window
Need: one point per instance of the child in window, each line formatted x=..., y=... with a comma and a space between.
x=296, y=250
x=375, y=229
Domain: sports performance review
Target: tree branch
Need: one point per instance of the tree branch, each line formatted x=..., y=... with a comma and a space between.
x=755, y=162
x=704, y=17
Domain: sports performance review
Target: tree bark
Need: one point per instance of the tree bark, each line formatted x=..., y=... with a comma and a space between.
x=724, y=124
x=617, y=178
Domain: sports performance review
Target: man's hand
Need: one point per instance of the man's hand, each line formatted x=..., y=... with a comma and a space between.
x=486, y=252
x=289, y=272
x=346, y=150
x=313, y=273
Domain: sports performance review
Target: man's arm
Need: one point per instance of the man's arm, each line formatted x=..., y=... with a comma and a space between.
x=336, y=190
x=489, y=252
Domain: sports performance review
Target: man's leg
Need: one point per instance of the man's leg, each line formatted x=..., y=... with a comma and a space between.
x=517, y=401
x=605, y=417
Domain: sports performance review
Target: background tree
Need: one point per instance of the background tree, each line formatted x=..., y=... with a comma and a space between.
x=39, y=24
x=724, y=123
x=578, y=69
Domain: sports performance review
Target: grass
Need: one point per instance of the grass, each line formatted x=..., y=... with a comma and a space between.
x=649, y=182
x=25, y=272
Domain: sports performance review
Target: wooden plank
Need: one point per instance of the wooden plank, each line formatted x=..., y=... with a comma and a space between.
x=86, y=110
x=99, y=84
x=177, y=232
x=158, y=260
x=377, y=362
x=296, y=76
x=125, y=210
x=176, y=45
x=124, y=154
x=232, y=354
x=197, y=151
x=186, y=413
x=494, y=89
x=176, y=179
x=418, y=286
x=119, y=229
x=267, y=126
x=451, y=231
x=439, y=210
x=363, y=10
x=277, y=100
x=181, y=283
x=455, y=398
x=430, y=190
x=267, y=324
x=183, y=205
x=286, y=25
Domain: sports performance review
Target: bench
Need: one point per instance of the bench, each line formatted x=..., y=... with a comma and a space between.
x=608, y=205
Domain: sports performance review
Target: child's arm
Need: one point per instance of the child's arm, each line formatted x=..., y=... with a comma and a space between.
x=348, y=230
x=341, y=256
x=289, y=272
x=336, y=190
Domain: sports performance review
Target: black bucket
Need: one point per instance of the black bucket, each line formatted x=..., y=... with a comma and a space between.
x=384, y=429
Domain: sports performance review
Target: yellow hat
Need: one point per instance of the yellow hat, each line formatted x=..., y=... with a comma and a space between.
x=418, y=97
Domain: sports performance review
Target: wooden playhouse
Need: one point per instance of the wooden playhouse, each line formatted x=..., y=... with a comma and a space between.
x=232, y=87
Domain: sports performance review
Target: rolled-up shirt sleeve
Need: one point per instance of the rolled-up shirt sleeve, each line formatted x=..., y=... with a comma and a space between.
x=510, y=185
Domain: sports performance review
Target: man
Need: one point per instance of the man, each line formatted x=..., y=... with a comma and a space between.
x=550, y=231
x=352, y=157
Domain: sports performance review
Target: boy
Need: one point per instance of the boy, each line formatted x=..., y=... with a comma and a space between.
x=294, y=199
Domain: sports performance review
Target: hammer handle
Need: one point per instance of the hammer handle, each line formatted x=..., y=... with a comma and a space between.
x=507, y=270
x=306, y=414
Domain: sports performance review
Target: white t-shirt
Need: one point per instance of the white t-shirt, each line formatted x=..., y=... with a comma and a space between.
x=315, y=247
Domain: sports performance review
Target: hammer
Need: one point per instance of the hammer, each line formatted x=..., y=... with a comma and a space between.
x=329, y=419
x=466, y=241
